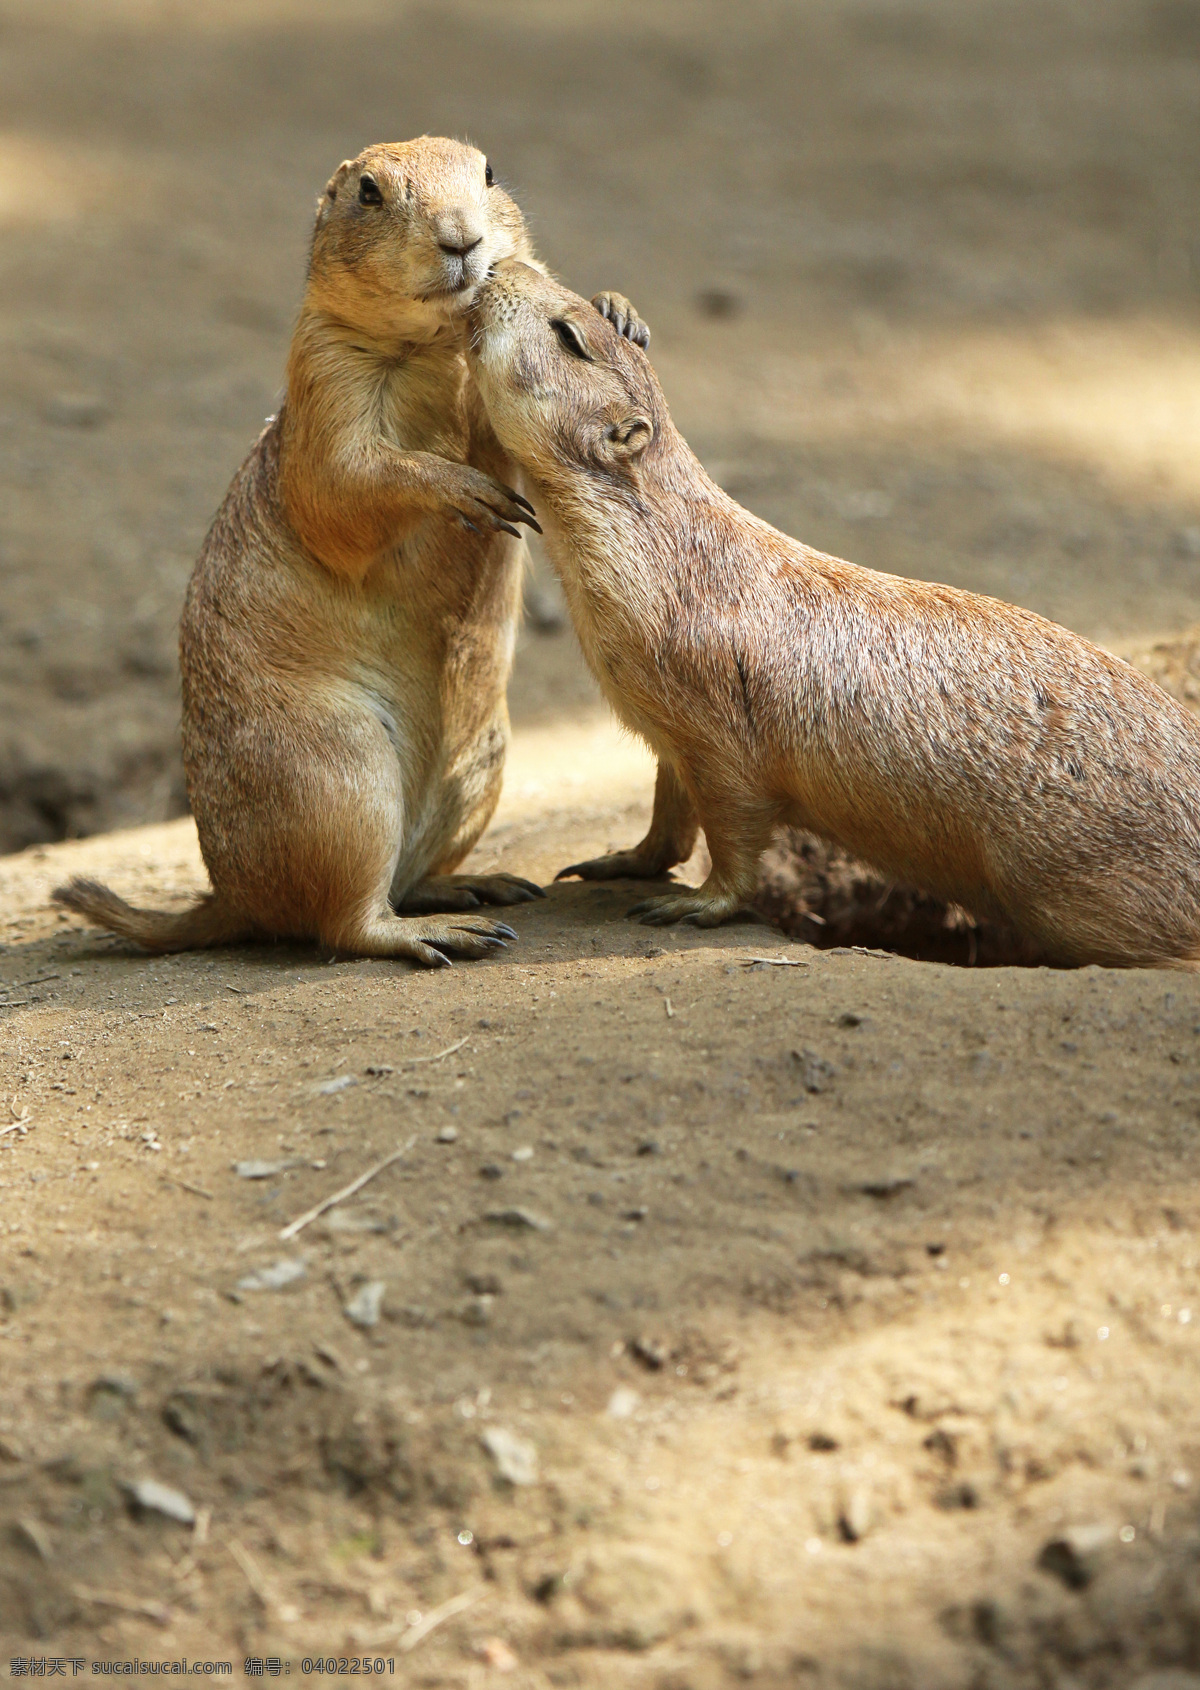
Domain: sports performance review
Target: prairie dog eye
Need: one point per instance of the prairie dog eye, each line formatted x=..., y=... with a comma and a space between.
x=488, y=177
x=571, y=338
x=368, y=191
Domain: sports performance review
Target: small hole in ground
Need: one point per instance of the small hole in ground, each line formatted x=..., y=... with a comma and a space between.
x=817, y=892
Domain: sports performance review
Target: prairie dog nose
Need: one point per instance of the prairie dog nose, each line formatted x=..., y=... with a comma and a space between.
x=455, y=240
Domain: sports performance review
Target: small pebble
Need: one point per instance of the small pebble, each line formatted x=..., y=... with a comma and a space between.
x=886, y=1185
x=346, y=1220
x=149, y=1495
x=260, y=1170
x=494, y=1652
x=515, y=1458
x=286, y=1271
x=816, y=1074
x=653, y=1353
x=622, y=1404
x=339, y=1083
x=521, y=1220
x=523, y=1153
x=491, y=1170
x=366, y=1305
x=854, y=1520
x=1075, y=1555
x=448, y=1135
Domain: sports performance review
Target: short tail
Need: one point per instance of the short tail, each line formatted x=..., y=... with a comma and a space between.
x=206, y=923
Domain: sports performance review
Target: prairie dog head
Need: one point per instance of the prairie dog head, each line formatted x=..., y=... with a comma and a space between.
x=406, y=232
x=564, y=391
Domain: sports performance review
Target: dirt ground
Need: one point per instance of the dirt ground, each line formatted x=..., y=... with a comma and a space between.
x=734, y=1311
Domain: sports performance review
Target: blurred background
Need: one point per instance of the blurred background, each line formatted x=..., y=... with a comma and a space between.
x=923, y=276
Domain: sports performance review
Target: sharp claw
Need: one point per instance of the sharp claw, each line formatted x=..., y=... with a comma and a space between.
x=467, y=523
x=518, y=500
x=502, y=927
x=499, y=519
x=508, y=528
x=567, y=873
x=533, y=523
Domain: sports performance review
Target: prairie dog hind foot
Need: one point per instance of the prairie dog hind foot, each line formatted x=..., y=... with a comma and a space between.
x=431, y=944
x=617, y=865
x=671, y=838
x=467, y=892
x=695, y=909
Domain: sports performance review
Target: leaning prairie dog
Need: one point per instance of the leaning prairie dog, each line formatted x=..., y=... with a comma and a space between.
x=960, y=744
x=349, y=626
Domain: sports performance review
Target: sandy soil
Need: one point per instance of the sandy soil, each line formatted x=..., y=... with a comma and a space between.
x=824, y=1320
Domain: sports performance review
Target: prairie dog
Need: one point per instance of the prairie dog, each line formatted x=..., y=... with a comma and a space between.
x=349, y=626
x=961, y=744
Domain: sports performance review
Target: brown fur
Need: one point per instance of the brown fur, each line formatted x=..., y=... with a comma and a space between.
x=965, y=746
x=349, y=626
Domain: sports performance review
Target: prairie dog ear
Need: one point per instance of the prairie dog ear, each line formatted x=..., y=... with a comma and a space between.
x=334, y=183
x=629, y=438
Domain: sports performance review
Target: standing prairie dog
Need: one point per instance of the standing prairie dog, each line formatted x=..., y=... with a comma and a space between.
x=963, y=745
x=349, y=626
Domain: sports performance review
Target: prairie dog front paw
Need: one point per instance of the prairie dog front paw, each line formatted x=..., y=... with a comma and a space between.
x=481, y=504
x=623, y=317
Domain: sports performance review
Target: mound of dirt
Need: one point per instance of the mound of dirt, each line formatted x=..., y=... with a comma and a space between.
x=818, y=892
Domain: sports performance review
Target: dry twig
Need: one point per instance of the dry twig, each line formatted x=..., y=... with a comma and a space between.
x=156, y=1611
x=411, y=1061
x=318, y=1209
x=20, y=1123
x=196, y=1190
x=260, y=1584
x=776, y=961
x=438, y=1616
